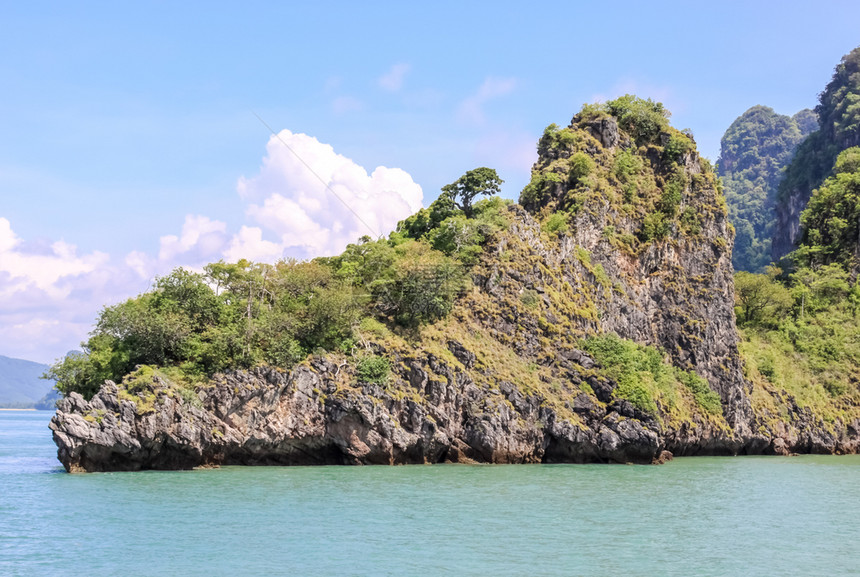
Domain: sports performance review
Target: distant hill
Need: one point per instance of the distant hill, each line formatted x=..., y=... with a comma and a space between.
x=20, y=385
x=753, y=155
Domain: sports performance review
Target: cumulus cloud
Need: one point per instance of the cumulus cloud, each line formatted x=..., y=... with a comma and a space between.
x=472, y=108
x=249, y=244
x=200, y=235
x=306, y=201
x=316, y=201
x=8, y=240
x=49, y=294
x=393, y=79
x=49, y=271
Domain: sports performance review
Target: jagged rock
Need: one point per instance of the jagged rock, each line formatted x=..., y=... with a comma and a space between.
x=462, y=354
x=663, y=457
x=606, y=131
x=264, y=416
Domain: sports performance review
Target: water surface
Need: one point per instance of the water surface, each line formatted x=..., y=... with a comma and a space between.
x=739, y=516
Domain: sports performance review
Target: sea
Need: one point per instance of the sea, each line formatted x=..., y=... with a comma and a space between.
x=728, y=516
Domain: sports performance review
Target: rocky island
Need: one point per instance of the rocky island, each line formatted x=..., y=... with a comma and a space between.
x=594, y=321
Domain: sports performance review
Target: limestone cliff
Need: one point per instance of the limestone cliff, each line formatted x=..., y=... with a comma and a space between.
x=599, y=327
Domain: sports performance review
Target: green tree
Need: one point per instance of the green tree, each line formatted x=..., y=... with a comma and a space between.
x=77, y=373
x=760, y=298
x=479, y=181
x=422, y=285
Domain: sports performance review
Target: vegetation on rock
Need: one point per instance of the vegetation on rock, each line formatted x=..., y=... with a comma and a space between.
x=626, y=153
x=646, y=379
x=240, y=315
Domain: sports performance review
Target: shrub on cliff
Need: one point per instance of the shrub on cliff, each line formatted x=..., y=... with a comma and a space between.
x=645, y=378
x=644, y=119
x=372, y=369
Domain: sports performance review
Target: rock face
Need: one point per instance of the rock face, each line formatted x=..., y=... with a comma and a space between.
x=306, y=417
x=787, y=228
x=675, y=292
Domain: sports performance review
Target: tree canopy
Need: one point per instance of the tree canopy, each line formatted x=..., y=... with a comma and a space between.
x=479, y=181
x=831, y=220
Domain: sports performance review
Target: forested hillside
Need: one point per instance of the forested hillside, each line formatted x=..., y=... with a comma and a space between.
x=754, y=152
x=838, y=113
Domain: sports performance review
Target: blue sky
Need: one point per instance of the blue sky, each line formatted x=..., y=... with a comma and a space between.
x=128, y=130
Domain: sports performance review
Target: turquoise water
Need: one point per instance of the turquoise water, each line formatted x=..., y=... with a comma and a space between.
x=697, y=516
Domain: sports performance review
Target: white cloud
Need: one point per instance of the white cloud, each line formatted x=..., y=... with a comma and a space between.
x=393, y=79
x=472, y=108
x=47, y=271
x=49, y=295
x=249, y=244
x=8, y=240
x=318, y=211
x=140, y=263
x=201, y=235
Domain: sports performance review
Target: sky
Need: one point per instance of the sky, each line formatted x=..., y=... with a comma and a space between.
x=137, y=137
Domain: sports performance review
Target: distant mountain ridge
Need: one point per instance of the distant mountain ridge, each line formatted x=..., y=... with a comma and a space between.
x=20, y=385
